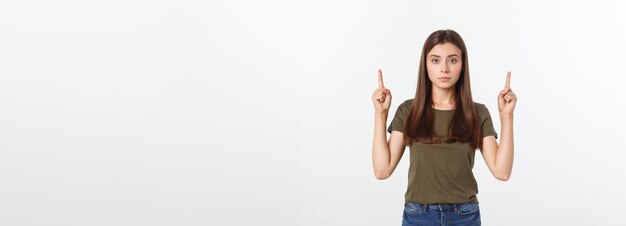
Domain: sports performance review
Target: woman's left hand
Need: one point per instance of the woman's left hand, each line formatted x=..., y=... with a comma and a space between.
x=506, y=98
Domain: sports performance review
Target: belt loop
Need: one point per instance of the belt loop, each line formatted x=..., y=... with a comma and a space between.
x=425, y=208
x=455, y=207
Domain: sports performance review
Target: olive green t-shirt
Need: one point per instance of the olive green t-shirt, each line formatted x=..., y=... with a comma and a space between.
x=441, y=173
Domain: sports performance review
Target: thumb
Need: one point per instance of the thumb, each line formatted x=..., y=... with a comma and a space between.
x=501, y=96
x=388, y=96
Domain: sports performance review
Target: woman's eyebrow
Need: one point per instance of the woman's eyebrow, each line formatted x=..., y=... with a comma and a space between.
x=433, y=55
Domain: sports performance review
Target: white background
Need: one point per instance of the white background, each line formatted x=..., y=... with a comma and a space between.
x=258, y=112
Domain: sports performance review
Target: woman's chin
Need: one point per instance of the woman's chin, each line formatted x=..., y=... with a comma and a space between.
x=445, y=86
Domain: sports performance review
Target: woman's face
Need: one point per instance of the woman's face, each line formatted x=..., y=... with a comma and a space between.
x=443, y=64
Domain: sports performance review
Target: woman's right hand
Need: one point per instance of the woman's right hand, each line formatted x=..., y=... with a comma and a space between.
x=382, y=96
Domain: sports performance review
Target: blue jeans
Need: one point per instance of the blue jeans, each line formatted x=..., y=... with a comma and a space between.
x=467, y=214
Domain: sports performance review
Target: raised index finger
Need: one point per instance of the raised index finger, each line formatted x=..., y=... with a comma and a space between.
x=380, y=79
x=507, y=85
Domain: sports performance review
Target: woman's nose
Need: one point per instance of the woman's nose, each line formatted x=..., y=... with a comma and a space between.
x=444, y=68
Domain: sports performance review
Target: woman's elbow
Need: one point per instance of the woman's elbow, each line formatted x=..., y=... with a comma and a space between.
x=503, y=177
x=381, y=175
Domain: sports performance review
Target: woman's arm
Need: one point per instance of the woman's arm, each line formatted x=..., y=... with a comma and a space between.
x=385, y=155
x=380, y=148
x=499, y=158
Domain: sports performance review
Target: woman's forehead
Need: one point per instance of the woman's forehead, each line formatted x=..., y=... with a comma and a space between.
x=445, y=50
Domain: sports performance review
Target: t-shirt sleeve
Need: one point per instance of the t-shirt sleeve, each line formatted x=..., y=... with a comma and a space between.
x=402, y=113
x=485, y=121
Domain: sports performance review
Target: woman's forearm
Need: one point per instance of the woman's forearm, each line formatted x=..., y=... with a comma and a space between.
x=504, y=156
x=380, y=147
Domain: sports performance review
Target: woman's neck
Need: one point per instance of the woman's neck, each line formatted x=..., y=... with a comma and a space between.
x=443, y=98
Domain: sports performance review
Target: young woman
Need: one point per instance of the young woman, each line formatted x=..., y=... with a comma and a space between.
x=443, y=127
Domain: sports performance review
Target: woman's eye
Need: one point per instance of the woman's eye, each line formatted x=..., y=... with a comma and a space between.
x=434, y=60
x=453, y=60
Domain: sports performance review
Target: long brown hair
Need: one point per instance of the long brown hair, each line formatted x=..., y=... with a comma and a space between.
x=465, y=125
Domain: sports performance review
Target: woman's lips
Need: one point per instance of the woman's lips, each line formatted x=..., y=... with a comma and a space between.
x=444, y=79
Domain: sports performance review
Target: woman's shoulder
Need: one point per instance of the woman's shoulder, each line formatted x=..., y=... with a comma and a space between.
x=479, y=105
x=481, y=109
x=406, y=103
x=405, y=106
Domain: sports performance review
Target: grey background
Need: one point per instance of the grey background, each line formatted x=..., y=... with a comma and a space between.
x=259, y=112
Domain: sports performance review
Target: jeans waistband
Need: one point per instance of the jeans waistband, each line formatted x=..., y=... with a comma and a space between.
x=440, y=206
